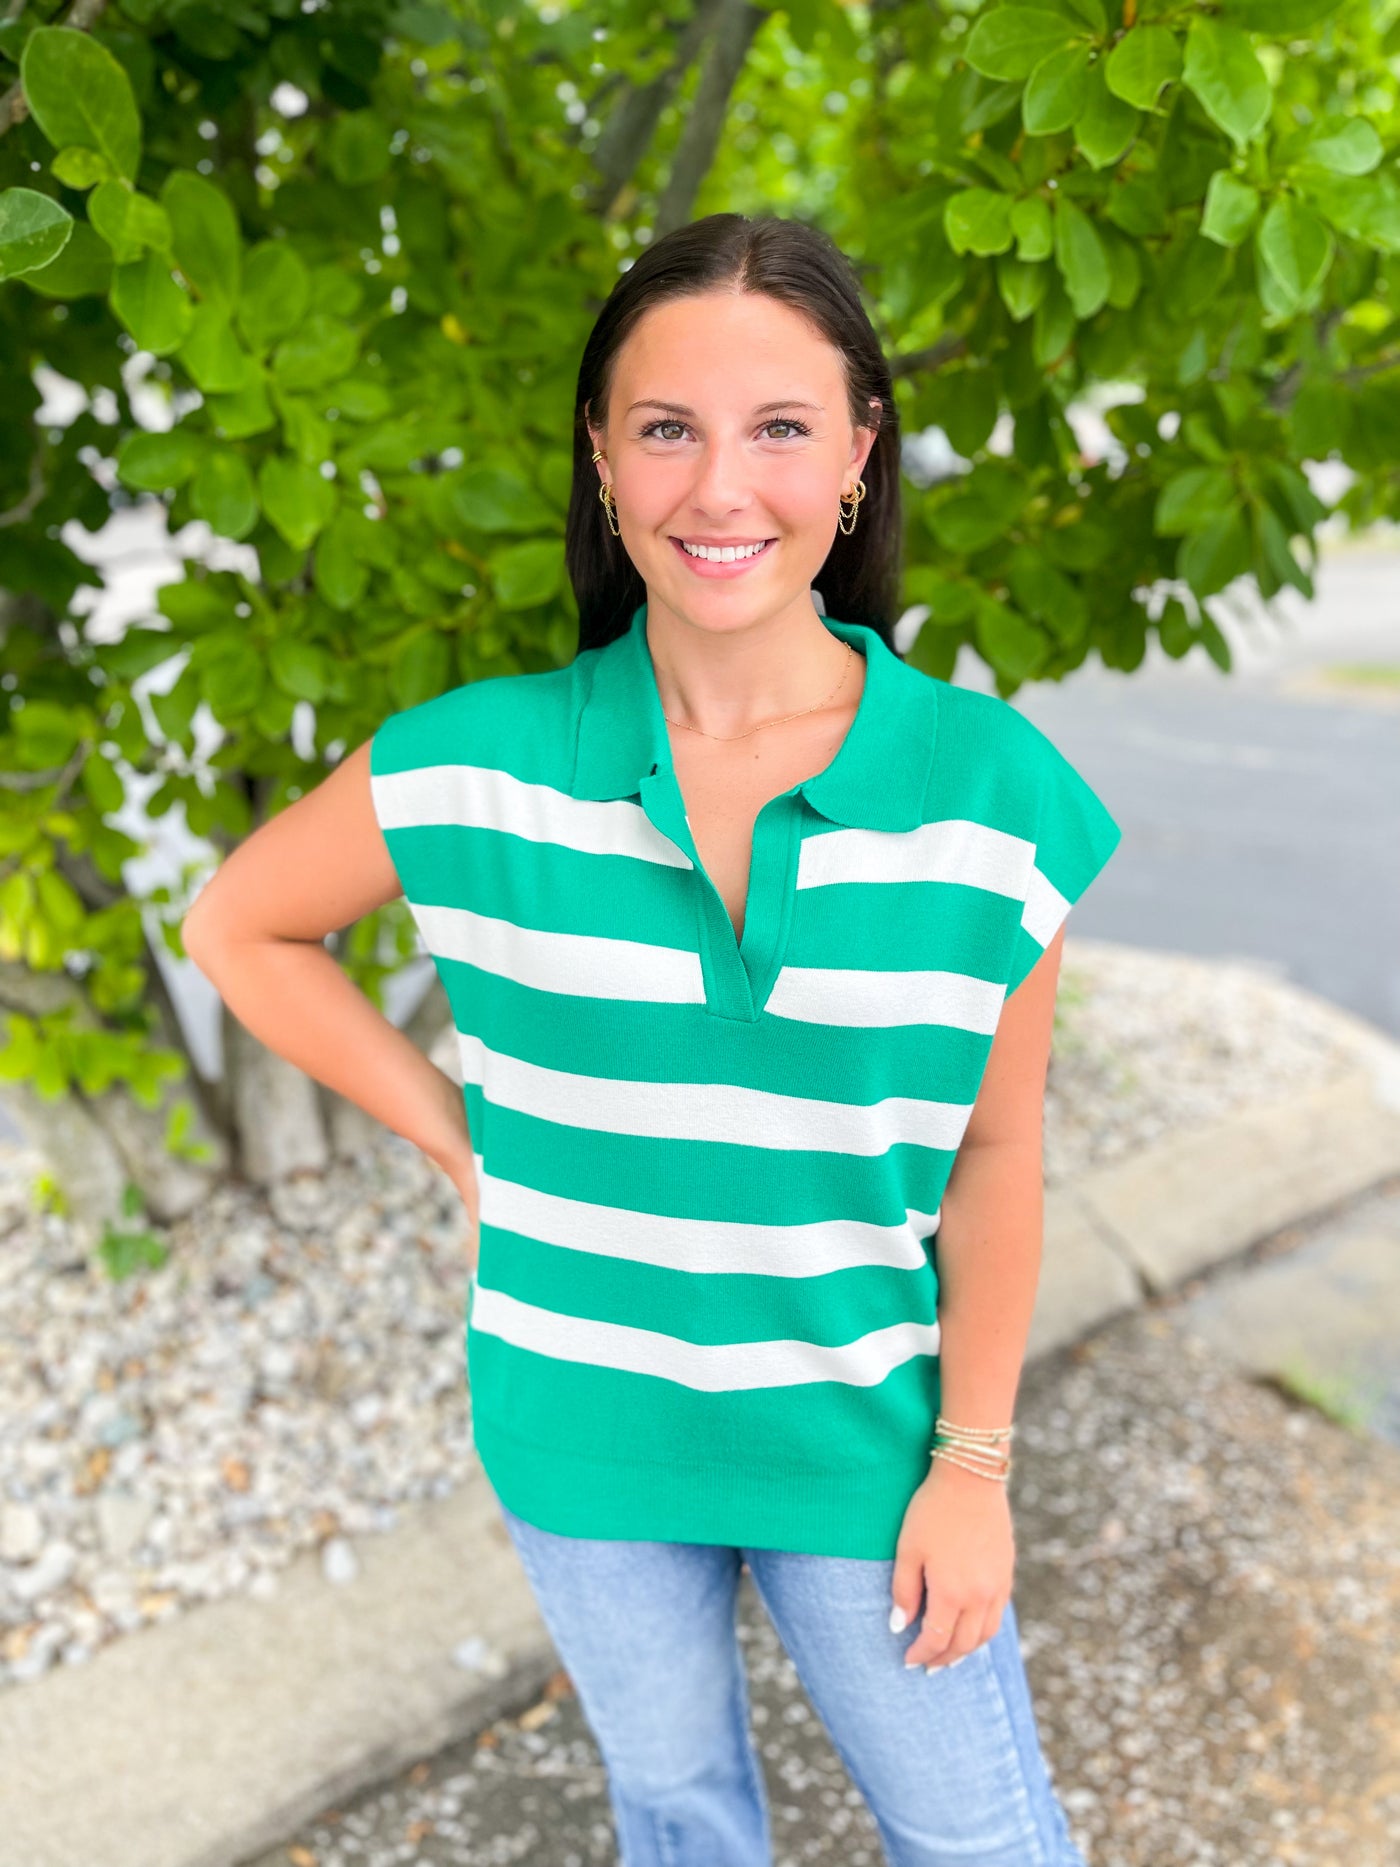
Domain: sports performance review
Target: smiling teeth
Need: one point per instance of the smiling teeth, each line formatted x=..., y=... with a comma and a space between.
x=723, y=554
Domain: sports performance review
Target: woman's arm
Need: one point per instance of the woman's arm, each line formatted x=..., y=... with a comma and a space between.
x=991, y=1225
x=256, y=932
x=957, y=1534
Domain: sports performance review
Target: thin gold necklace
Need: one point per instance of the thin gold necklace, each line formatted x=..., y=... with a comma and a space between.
x=850, y=656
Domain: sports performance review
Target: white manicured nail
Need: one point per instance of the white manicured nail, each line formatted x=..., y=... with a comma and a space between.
x=899, y=1620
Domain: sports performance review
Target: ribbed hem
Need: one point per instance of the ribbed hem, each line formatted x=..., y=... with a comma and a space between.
x=845, y=1511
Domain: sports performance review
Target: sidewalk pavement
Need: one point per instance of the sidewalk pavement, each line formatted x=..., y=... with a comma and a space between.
x=208, y=1739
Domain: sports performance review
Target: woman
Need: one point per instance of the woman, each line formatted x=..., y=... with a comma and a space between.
x=751, y=934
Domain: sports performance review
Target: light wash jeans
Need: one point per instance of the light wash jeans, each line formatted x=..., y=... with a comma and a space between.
x=949, y=1763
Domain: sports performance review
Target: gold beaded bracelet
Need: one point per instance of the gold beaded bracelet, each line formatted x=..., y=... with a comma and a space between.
x=978, y=1447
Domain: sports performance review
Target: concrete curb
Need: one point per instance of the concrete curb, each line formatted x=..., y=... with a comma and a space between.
x=206, y=1740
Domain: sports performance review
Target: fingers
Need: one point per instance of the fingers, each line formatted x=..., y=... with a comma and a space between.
x=950, y=1632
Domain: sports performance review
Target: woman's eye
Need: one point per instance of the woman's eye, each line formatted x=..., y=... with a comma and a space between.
x=656, y=427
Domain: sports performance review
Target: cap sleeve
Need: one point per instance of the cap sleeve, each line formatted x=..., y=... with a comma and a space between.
x=1074, y=837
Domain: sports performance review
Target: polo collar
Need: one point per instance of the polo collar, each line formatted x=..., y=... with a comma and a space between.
x=877, y=781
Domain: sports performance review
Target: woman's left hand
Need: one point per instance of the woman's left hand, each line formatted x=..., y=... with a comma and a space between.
x=956, y=1547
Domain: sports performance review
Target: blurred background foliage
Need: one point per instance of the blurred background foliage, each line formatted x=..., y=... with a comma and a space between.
x=321, y=274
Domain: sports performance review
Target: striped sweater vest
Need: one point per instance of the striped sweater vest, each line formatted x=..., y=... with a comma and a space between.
x=705, y=1302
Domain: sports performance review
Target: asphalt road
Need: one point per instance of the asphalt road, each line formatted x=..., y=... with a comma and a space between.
x=1260, y=809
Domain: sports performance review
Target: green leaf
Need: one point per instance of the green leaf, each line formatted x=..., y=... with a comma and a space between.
x=323, y=348
x=80, y=96
x=1191, y=500
x=102, y=782
x=1141, y=63
x=301, y=669
x=948, y=600
x=1124, y=269
x=1030, y=222
x=1080, y=257
x=151, y=305
x=216, y=361
x=81, y=168
x=341, y=575
x=1302, y=504
x=1223, y=70
x=1214, y=556
x=978, y=220
x=1022, y=286
x=204, y=230
x=527, y=574
x=130, y=222
x=492, y=499
x=34, y=229
x=1046, y=594
x=1231, y=205
x=1363, y=207
x=223, y=493
x=1056, y=91
x=421, y=668
x=1276, y=555
x=83, y=269
x=245, y=412
x=964, y=404
x=1106, y=125
x=295, y=497
x=1296, y=247
x=1007, y=641
x=1282, y=18
x=1343, y=146
x=276, y=292
x=1052, y=330
x=155, y=463
x=359, y=147
x=1011, y=41
x=1139, y=207
x=232, y=680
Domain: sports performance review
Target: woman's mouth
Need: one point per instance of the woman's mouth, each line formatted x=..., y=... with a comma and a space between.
x=722, y=561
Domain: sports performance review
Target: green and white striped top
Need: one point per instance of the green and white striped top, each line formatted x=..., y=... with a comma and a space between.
x=705, y=1302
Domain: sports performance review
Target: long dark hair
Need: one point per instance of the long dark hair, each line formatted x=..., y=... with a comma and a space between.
x=802, y=267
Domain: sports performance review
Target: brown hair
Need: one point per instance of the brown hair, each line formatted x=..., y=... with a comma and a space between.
x=800, y=266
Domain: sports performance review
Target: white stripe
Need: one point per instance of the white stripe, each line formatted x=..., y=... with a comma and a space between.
x=843, y=995
x=951, y=850
x=708, y=1246
x=722, y=1112
x=584, y=965
x=483, y=798
x=1045, y=908
x=712, y=1368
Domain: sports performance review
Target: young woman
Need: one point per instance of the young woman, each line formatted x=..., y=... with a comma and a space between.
x=751, y=933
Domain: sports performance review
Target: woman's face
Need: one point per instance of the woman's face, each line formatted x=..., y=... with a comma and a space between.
x=727, y=425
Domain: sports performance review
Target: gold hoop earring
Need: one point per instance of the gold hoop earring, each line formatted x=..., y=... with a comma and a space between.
x=855, y=499
x=605, y=493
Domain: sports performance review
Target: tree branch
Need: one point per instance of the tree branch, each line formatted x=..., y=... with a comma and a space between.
x=912, y=362
x=734, y=32
x=628, y=132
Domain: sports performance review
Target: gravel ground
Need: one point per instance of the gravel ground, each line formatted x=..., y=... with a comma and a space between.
x=1207, y=1584
x=295, y=1369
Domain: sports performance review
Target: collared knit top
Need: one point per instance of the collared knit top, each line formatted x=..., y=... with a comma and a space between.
x=705, y=1301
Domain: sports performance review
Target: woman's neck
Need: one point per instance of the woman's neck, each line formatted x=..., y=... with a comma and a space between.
x=726, y=681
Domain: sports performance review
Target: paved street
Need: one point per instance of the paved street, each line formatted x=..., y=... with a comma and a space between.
x=1261, y=817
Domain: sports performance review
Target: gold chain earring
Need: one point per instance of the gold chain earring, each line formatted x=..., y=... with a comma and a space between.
x=855, y=499
x=605, y=493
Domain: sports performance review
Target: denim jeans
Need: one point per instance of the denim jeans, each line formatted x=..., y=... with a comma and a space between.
x=949, y=1763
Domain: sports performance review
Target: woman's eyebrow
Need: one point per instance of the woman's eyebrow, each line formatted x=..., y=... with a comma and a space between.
x=679, y=408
